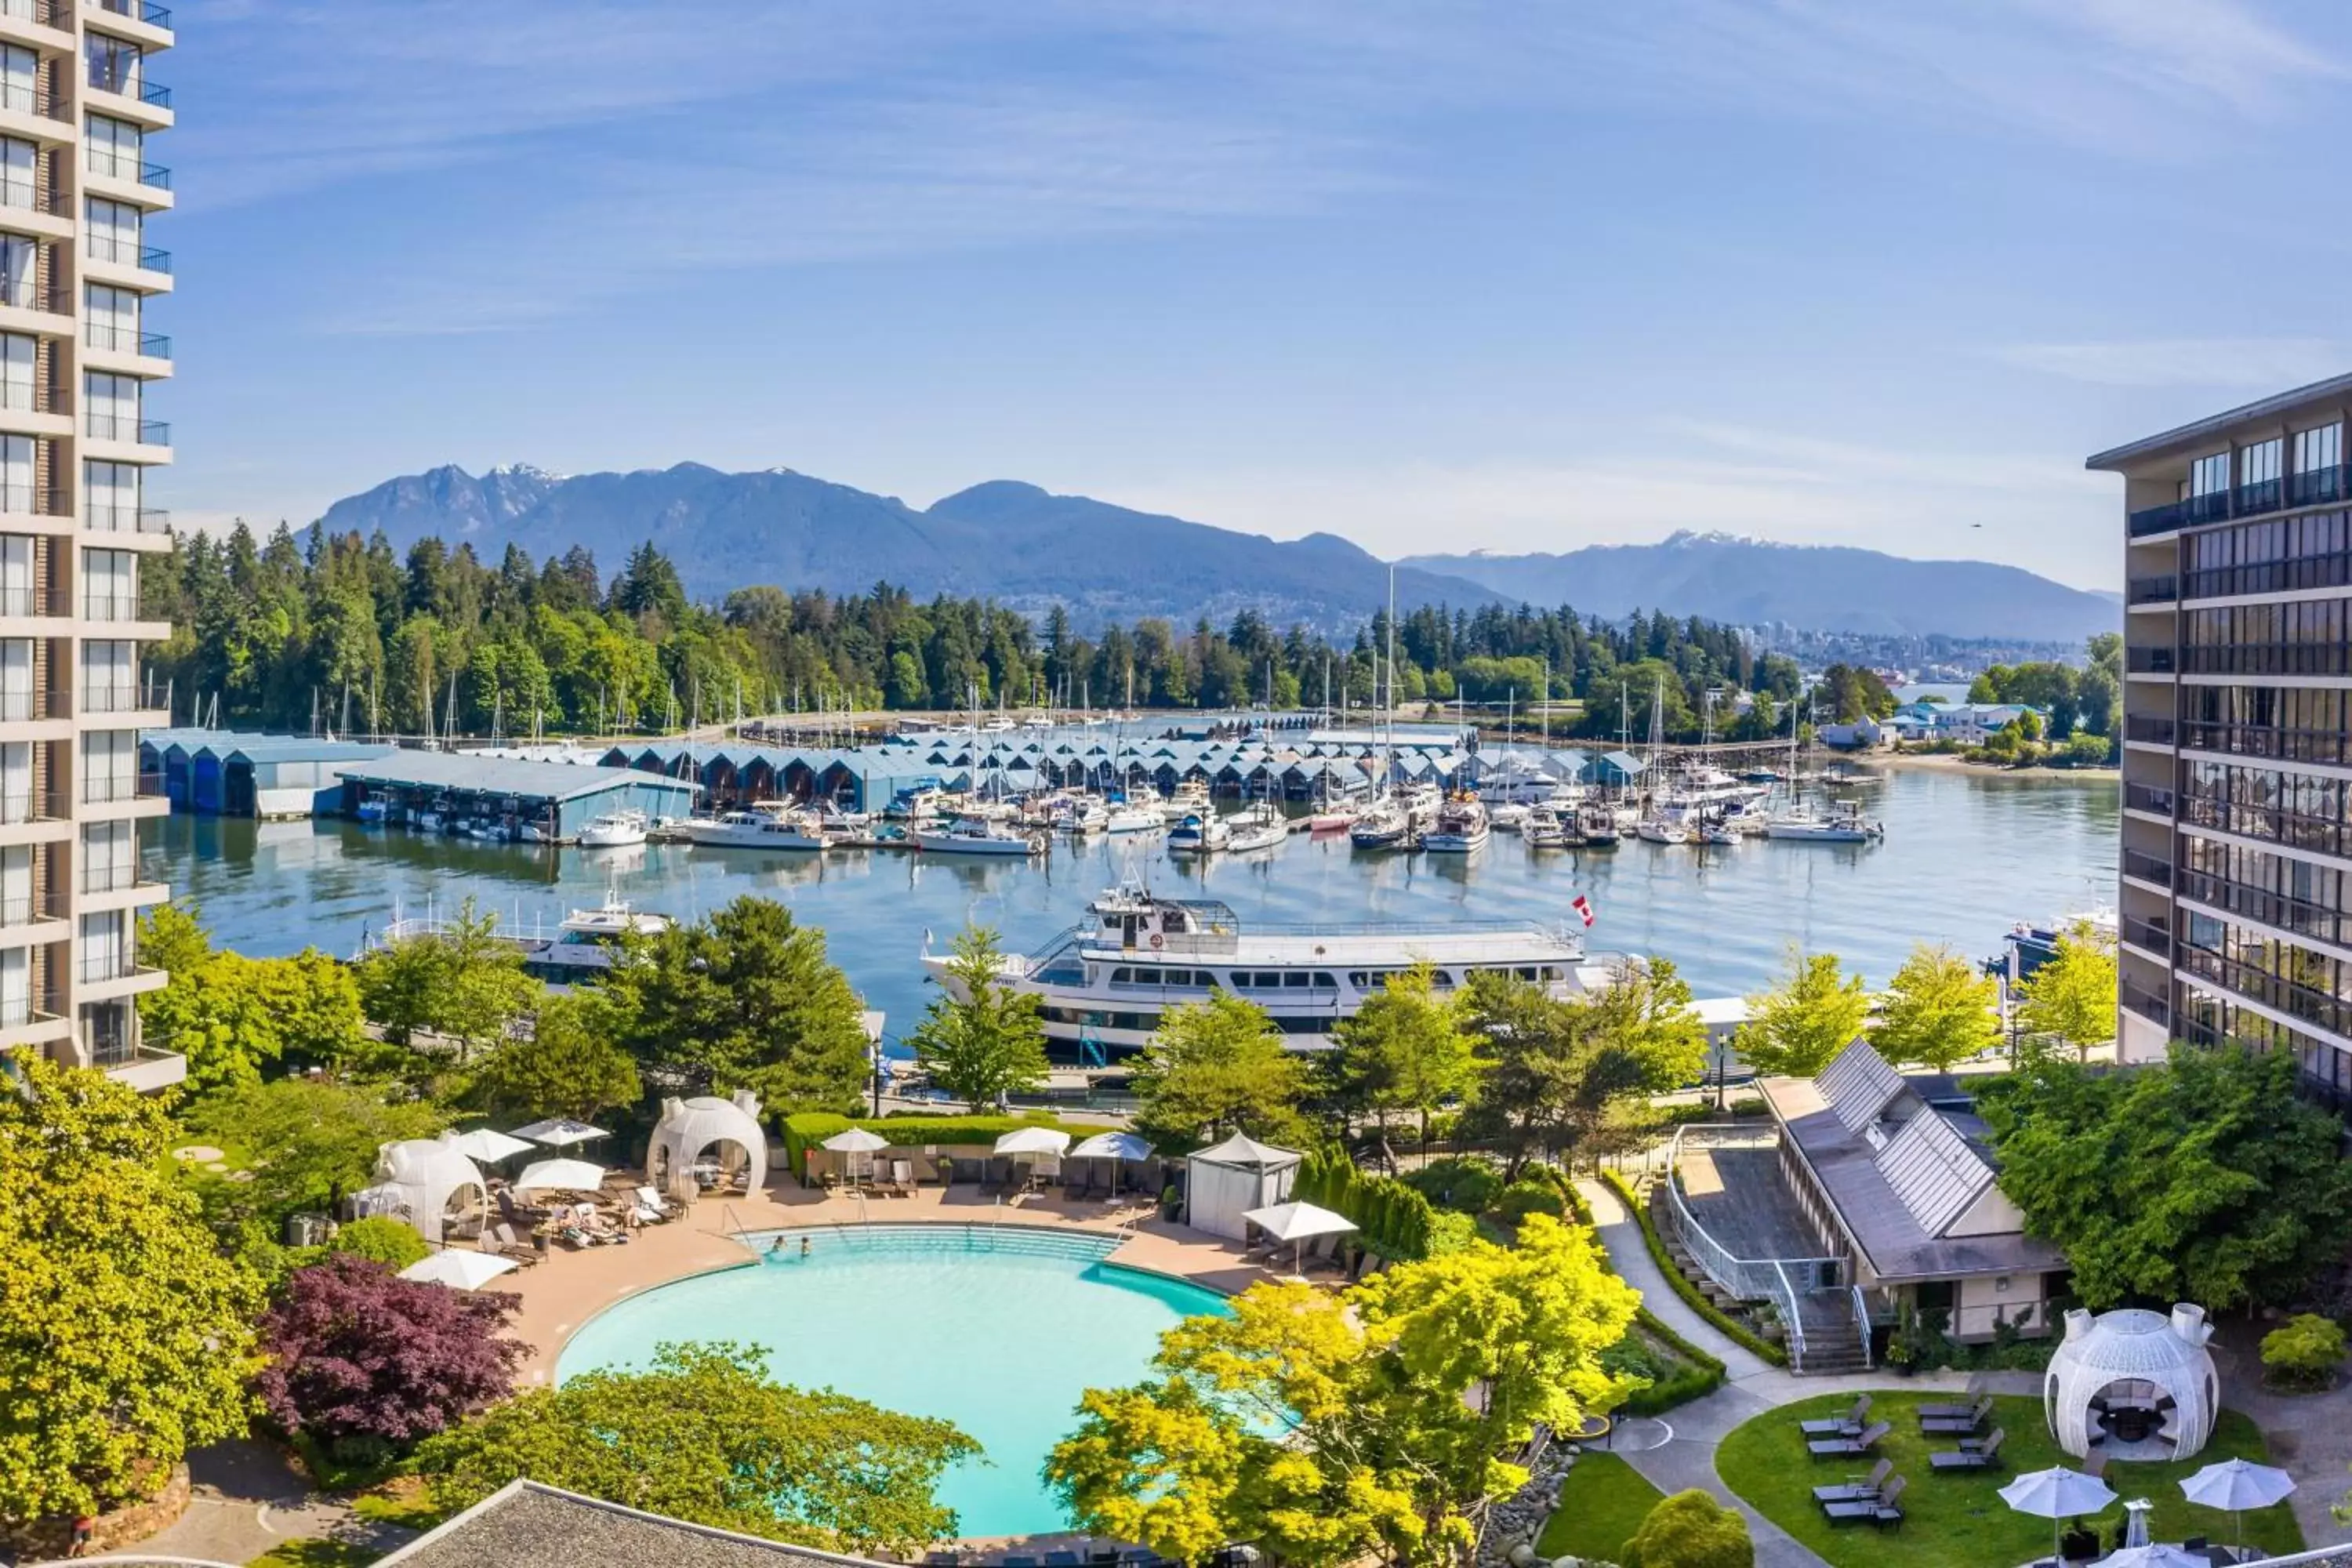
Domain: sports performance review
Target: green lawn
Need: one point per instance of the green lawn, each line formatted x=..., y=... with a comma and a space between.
x=1601, y=1503
x=313, y=1552
x=1958, y=1521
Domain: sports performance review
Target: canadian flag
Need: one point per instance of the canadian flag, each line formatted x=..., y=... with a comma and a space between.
x=1582, y=906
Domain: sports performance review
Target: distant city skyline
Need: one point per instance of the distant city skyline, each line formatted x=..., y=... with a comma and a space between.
x=1433, y=279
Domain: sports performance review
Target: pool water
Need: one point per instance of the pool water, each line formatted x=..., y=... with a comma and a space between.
x=997, y=1329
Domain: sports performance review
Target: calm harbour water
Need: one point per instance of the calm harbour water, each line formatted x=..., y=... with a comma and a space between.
x=1965, y=855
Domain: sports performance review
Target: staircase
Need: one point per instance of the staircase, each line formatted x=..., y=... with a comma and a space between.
x=1832, y=1340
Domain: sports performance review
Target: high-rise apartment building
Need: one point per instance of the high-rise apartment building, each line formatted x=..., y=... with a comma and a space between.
x=2236, y=885
x=78, y=183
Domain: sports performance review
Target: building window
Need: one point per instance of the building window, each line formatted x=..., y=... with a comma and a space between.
x=113, y=64
x=114, y=147
x=20, y=178
x=2210, y=476
x=114, y=231
x=111, y=319
x=114, y=407
x=2318, y=449
x=110, y=494
x=2259, y=463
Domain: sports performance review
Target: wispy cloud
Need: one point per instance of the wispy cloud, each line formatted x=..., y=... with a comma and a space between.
x=2269, y=362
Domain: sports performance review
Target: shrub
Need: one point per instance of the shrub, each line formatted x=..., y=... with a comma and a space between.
x=1694, y=1374
x=1690, y=1530
x=1467, y=1186
x=2302, y=1353
x=381, y=1239
x=362, y=1361
x=1525, y=1197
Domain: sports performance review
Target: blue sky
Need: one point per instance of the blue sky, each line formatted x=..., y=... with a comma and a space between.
x=1435, y=276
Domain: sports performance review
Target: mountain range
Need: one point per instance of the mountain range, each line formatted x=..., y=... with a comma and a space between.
x=1029, y=549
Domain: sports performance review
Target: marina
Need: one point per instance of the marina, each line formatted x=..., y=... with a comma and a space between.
x=1965, y=855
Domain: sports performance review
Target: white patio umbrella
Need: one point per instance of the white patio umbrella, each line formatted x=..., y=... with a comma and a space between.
x=2234, y=1486
x=2154, y=1555
x=487, y=1146
x=1297, y=1224
x=1034, y=1143
x=2057, y=1494
x=1115, y=1147
x=857, y=1141
x=566, y=1175
x=457, y=1269
x=560, y=1132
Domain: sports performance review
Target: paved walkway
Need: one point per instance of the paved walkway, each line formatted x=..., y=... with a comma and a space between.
x=247, y=1500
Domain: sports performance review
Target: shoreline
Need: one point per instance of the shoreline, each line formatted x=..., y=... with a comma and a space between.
x=1951, y=762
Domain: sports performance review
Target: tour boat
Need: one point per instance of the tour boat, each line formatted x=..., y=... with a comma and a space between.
x=1103, y=984
x=1461, y=827
x=614, y=830
x=1200, y=833
x=979, y=836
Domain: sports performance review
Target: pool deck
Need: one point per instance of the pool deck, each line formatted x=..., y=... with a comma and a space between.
x=562, y=1293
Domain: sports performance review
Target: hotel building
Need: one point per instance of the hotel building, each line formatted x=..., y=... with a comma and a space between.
x=2236, y=880
x=79, y=183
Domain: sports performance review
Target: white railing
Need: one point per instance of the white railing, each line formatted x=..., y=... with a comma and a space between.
x=1748, y=1279
x=1793, y=1312
x=1861, y=1324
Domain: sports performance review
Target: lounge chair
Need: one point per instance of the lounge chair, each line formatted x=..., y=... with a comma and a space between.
x=2094, y=1464
x=1845, y=1425
x=1855, y=1491
x=1975, y=1392
x=1879, y=1509
x=1850, y=1447
x=1968, y=1420
x=502, y=1243
x=902, y=1178
x=652, y=1208
x=1985, y=1456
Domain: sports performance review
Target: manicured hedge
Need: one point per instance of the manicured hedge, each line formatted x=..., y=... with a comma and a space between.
x=1391, y=1218
x=808, y=1129
x=1739, y=1333
x=1703, y=1375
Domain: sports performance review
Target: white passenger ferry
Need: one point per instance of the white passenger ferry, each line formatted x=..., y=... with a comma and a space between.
x=1104, y=984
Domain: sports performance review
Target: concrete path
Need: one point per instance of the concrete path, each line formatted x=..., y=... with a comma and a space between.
x=247, y=1500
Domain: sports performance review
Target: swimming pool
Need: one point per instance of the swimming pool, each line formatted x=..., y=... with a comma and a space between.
x=998, y=1328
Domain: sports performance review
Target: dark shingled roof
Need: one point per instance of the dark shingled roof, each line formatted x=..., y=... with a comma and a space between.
x=527, y=1525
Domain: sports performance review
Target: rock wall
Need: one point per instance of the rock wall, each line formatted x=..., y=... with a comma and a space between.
x=54, y=1537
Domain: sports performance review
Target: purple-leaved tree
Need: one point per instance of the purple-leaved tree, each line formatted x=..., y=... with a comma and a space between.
x=358, y=1353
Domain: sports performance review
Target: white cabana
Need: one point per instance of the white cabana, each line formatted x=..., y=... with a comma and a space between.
x=1298, y=1223
x=2145, y=1366
x=1223, y=1182
x=708, y=1127
x=459, y=1268
x=561, y=1176
x=487, y=1146
x=560, y=1132
x=432, y=1185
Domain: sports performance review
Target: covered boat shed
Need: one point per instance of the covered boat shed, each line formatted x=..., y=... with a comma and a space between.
x=557, y=799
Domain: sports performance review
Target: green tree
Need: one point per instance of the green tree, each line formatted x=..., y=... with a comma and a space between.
x=127, y=1338
x=1816, y=1011
x=464, y=981
x=232, y=1015
x=2072, y=996
x=568, y=1064
x=1690, y=1530
x=704, y=1434
x=2201, y=1179
x=1218, y=1064
x=745, y=999
x=1940, y=1011
x=381, y=1240
x=988, y=1042
x=296, y=1145
x=1329, y=1427
x=1405, y=1050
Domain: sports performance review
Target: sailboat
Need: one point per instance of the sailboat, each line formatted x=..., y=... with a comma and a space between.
x=1655, y=826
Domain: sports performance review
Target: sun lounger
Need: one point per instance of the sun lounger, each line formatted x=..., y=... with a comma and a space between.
x=1856, y=1490
x=1975, y=1392
x=1852, y=1447
x=1968, y=1419
x=1061, y=1560
x=1985, y=1456
x=1845, y=1425
x=902, y=1178
x=1881, y=1510
x=502, y=1242
x=652, y=1208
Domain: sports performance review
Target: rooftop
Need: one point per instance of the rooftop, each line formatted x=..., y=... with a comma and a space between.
x=2199, y=431
x=527, y=1525
x=502, y=776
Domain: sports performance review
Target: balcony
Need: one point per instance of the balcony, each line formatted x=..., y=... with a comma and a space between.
x=2280, y=911
x=110, y=606
x=2330, y=570
x=2148, y=661
x=57, y=13
x=2148, y=868
x=117, y=166
x=2141, y=590
x=138, y=11
x=2195, y=510
x=140, y=89
x=96, y=968
x=2254, y=983
x=106, y=789
x=126, y=340
x=20, y=807
x=2332, y=748
x=107, y=517
x=2145, y=798
x=28, y=501
x=26, y=195
x=33, y=602
x=2322, y=835
x=30, y=909
x=107, y=697
x=2269, y=658
x=23, y=707
x=2319, y=486
x=2153, y=730
x=129, y=427
x=141, y=1067
x=28, y=97
x=105, y=245
x=2148, y=936
x=2147, y=1005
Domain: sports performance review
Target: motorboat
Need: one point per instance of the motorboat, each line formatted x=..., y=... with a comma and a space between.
x=1509, y=818
x=1384, y=825
x=1661, y=830
x=1596, y=828
x=1082, y=814
x=757, y=829
x=373, y=809
x=1718, y=832
x=1461, y=826
x=583, y=947
x=1334, y=818
x=979, y=836
x=1546, y=828
x=1130, y=817
x=1192, y=795
x=614, y=830
x=1843, y=823
x=1259, y=826
x=1200, y=833
x=1105, y=983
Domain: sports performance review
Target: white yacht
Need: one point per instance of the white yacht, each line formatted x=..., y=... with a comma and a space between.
x=1131, y=818
x=614, y=830
x=1103, y=983
x=1661, y=830
x=762, y=827
x=1259, y=826
x=979, y=836
x=1461, y=827
x=1192, y=795
x=1842, y=823
x=1200, y=833
x=583, y=947
x=1383, y=824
